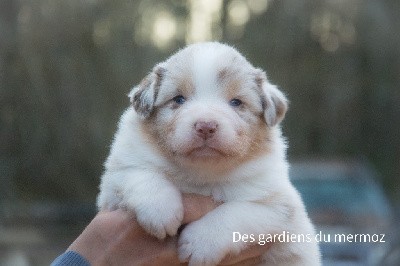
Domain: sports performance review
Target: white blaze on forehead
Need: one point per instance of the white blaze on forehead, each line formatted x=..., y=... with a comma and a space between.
x=205, y=70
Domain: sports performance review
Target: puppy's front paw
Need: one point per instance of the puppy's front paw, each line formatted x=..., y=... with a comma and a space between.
x=203, y=245
x=160, y=216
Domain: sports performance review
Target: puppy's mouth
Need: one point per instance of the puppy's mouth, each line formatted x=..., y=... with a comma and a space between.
x=205, y=152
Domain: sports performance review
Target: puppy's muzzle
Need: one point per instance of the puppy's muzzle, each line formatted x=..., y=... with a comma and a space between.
x=206, y=129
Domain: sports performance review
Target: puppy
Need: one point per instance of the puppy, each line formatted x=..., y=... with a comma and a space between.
x=206, y=121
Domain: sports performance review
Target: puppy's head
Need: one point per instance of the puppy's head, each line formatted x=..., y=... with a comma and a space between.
x=208, y=105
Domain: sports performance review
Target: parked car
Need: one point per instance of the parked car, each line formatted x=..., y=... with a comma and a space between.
x=348, y=206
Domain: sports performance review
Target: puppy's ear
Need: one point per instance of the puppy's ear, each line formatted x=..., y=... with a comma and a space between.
x=144, y=95
x=274, y=101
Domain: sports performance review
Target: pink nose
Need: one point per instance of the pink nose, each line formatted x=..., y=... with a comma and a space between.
x=206, y=130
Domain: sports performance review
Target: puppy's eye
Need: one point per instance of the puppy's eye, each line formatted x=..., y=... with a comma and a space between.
x=179, y=99
x=235, y=102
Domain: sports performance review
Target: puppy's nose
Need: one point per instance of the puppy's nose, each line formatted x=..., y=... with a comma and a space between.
x=205, y=129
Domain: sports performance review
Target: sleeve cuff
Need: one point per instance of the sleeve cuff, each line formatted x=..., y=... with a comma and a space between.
x=70, y=258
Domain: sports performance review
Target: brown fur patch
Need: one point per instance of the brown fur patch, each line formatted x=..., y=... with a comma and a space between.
x=268, y=200
x=232, y=88
x=222, y=75
x=156, y=134
x=259, y=81
x=260, y=140
x=185, y=86
x=272, y=199
x=226, y=79
x=280, y=108
x=160, y=73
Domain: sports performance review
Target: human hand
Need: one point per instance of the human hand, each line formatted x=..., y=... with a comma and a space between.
x=115, y=238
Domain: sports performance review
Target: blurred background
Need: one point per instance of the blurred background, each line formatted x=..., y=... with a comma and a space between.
x=66, y=68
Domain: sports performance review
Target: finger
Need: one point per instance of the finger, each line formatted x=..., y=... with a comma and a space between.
x=116, y=219
x=253, y=251
x=249, y=262
x=166, y=255
x=196, y=206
